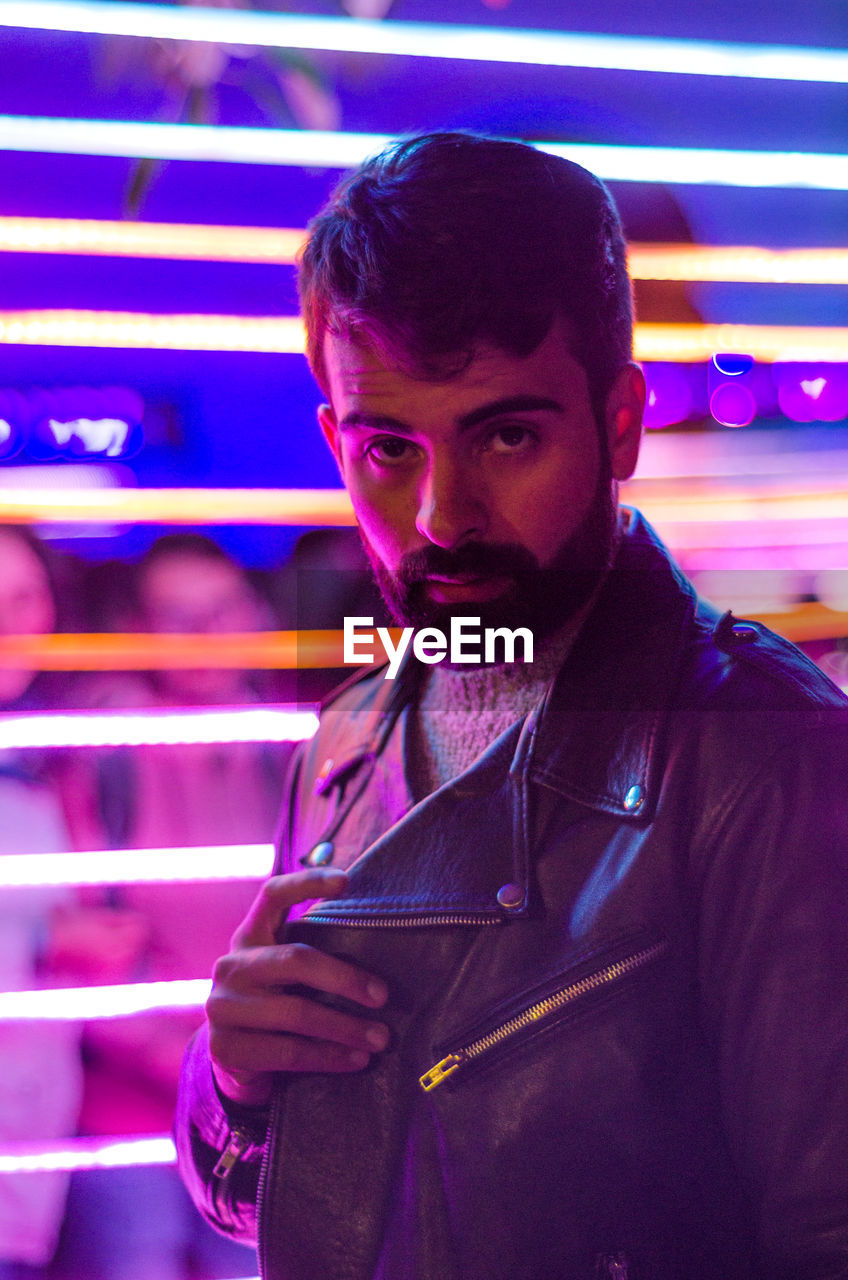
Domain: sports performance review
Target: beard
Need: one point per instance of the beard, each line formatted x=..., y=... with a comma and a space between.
x=544, y=599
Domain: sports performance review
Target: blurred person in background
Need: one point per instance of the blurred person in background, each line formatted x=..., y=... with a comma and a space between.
x=138, y=1223
x=40, y=1071
x=325, y=579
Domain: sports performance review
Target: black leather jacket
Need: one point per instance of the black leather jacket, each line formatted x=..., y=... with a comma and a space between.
x=617, y=948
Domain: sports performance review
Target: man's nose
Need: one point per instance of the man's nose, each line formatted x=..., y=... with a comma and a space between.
x=450, y=509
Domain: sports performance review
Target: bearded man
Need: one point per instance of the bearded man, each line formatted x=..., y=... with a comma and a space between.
x=571, y=1001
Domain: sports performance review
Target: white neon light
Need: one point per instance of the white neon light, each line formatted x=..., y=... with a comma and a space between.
x=155, y=728
x=87, y=1153
x=334, y=150
x=431, y=40
x=84, y=1004
x=197, y=864
x=97, y=435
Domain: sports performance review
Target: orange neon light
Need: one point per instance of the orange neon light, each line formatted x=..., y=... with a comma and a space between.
x=279, y=246
x=183, y=241
x=770, y=344
x=150, y=332
x=267, y=650
x=177, y=506
x=283, y=650
x=740, y=263
x=678, y=501
x=284, y=334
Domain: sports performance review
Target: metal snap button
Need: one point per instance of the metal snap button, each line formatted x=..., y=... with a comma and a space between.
x=634, y=799
x=320, y=855
x=511, y=896
x=743, y=633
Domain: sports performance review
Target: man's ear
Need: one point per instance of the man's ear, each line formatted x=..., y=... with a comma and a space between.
x=330, y=431
x=625, y=407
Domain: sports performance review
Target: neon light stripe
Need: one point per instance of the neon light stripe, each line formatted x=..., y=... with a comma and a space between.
x=743, y=264
x=284, y=334
x=84, y=1004
x=336, y=150
x=433, y=40
x=254, y=651
x=135, y=330
x=197, y=865
x=177, y=506
x=182, y=241
x=746, y=264
x=286, y=649
x=87, y=1153
x=766, y=343
x=155, y=728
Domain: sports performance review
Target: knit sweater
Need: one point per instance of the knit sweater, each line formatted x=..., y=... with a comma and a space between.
x=463, y=709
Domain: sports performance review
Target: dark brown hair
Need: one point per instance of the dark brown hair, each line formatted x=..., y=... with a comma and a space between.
x=446, y=240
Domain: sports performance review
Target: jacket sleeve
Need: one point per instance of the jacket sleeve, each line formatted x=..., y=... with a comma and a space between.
x=207, y=1136
x=774, y=983
x=209, y=1129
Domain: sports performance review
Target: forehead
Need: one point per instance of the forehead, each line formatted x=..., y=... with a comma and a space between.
x=359, y=375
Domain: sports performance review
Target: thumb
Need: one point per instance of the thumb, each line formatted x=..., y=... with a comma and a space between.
x=276, y=898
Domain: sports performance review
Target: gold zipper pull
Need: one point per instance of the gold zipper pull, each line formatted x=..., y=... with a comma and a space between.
x=441, y=1071
x=232, y=1153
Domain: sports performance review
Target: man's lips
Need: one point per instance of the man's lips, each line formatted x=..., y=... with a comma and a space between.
x=451, y=589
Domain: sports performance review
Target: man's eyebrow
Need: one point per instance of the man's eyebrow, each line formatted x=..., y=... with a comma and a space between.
x=357, y=420
x=511, y=404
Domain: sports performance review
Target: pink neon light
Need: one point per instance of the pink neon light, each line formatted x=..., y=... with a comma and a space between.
x=84, y=1004
x=200, y=863
x=157, y=728
x=87, y=1153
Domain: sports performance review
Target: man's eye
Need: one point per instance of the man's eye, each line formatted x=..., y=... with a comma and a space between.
x=510, y=440
x=390, y=450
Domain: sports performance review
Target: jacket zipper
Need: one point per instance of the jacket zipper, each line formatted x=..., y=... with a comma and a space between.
x=535, y=1013
x=237, y=1144
x=264, y=1171
x=398, y=922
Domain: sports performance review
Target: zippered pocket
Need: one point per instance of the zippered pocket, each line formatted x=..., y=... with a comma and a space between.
x=539, y=1011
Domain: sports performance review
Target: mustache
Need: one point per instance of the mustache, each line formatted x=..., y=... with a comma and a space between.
x=474, y=559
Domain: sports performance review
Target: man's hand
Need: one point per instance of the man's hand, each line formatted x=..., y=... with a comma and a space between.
x=257, y=1025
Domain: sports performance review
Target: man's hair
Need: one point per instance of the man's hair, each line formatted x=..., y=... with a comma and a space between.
x=185, y=544
x=447, y=240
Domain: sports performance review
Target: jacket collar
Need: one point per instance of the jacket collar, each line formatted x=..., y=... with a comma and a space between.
x=595, y=738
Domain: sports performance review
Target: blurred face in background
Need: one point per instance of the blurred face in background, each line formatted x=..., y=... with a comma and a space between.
x=26, y=604
x=192, y=594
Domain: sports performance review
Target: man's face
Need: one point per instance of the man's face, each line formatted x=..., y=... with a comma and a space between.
x=190, y=594
x=26, y=605
x=485, y=495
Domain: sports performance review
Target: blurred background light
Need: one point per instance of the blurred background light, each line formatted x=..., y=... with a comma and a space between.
x=670, y=395
x=155, y=727
x=120, y=1000
x=430, y=40
x=87, y=1153
x=231, y=144
x=200, y=864
x=817, y=393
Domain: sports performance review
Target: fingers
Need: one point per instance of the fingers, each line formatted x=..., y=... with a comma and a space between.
x=261, y=1017
x=259, y=969
x=328, y=1039
x=275, y=899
